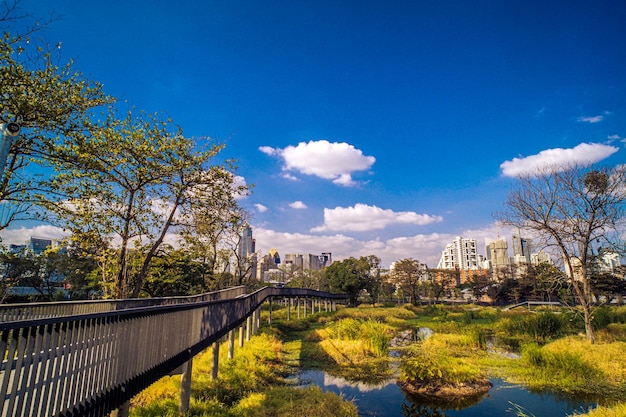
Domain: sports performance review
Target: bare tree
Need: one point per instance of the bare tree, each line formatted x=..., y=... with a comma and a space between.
x=572, y=210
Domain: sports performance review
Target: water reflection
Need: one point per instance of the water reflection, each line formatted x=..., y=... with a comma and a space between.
x=388, y=400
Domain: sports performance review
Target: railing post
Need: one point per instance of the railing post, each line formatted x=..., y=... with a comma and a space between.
x=216, y=360
x=231, y=344
x=241, y=329
x=248, y=327
x=185, y=387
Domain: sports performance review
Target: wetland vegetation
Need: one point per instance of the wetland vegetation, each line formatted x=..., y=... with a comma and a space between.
x=467, y=347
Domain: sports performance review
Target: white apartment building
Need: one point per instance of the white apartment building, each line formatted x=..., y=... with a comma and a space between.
x=461, y=254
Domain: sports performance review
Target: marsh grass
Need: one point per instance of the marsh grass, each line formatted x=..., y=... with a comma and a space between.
x=539, y=327
x=574, y=366
x=618, y=410
x=286, y=402
x=442, y=358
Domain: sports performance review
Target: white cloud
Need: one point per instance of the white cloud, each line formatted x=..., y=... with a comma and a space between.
x=591, y=119
x=19, y=236
x=289, y=177
x=268, y=150
x=332, y=161
x=260, y=208
x=298, y=205
x=362, y=218
x=614, y=137
x=585, y=153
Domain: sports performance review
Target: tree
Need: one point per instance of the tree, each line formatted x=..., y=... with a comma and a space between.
x=407, y=274
x=571, y=209
x=123, y=184
x=41, y=96
x=548, y=280
x=44, y=272
x=350, y=276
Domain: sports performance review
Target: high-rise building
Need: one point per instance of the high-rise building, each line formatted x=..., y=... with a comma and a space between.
x=522, y=247
x=499, y=253
x=247, y=244
x=326, y=259
x=460, y=254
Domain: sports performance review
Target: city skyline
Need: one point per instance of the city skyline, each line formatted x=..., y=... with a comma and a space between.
x=366, y=128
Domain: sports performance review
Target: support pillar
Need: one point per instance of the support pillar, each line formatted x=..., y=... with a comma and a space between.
x=298, y=302
x=216, y=360
x=269, y=321
x=248, y=328
x=241, y=328
x=319, y=305
x=288, y=309
x=257, y=322
x=305, y=306
x=185, y=387
x=231, y=344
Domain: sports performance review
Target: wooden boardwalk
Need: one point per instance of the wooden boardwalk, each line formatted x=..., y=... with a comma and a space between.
x=87, y=359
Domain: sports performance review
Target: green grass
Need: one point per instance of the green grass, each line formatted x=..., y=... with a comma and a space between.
x=258, y=368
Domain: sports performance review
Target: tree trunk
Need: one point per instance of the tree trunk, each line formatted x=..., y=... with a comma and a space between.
x=146, y=262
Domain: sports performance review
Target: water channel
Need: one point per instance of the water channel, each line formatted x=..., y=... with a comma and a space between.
x=388, y=400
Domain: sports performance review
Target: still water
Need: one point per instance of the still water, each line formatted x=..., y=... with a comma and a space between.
x=388, y=400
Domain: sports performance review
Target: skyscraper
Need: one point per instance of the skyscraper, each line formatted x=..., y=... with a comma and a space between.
x=247, y=244
x=521, y=246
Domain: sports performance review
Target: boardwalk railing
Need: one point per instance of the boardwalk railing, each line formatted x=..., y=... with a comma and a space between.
x=89, y=364
x=33, y=311
x=529, y=304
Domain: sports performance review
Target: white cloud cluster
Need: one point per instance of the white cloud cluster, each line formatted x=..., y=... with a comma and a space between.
x=335, y=161
x=585, y=153
x=426, y=248
x=298, y=205
x=362, y=217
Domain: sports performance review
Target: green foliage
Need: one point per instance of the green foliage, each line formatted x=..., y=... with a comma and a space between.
x=606, y=315
x=44, y=98
x=351, y=276
x=539, y=326
x=560, y=365
x=428, y=365
x=289, y=402
x=373, y=334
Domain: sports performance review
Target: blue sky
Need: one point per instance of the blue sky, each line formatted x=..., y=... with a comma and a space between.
x=366, y=127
